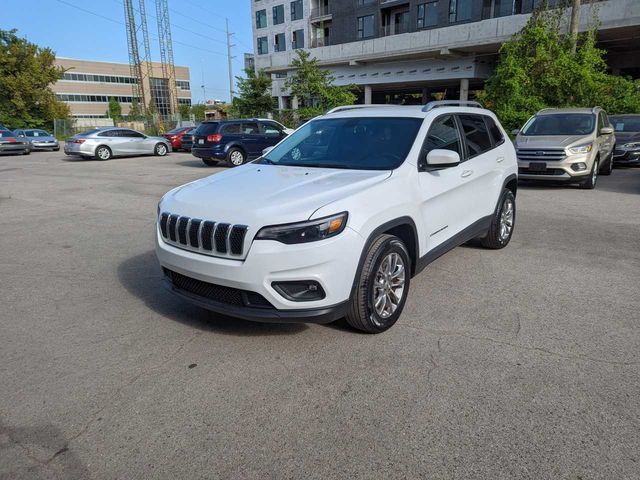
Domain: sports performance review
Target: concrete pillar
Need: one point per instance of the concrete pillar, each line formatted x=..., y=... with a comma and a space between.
x=294, y=103
x=280, y=102
x=426, y=98
x=367, y=94
x=464, y=89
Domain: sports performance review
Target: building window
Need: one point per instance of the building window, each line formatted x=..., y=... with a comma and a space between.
x=459, y=10
x=261, y=19
x=365, y=26
x=278, y=14
x=296, y=10
x=183, y=84
x=362, y=3
x=263, y=46
x=428, y=14
x=297, y=39
x=279, y=43
x=184, y=101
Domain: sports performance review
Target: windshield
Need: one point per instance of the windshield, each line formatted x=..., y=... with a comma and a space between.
x=36, y=133
x=625, y=124
x=352, y=143
x=5, y=133
x=207, y=128
x=560, y=124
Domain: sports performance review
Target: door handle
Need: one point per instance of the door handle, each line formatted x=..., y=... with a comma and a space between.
x=499, y=159
x=466, y=173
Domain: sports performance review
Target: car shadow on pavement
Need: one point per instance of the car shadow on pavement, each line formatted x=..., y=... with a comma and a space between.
x=198, y=164
x=141, y=276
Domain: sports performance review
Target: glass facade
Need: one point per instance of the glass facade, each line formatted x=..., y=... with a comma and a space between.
x=160, y=95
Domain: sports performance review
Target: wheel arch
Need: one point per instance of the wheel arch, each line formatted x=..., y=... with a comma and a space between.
x=511, y=183
x=402, y=227
x=237, y=145
x=95, y=150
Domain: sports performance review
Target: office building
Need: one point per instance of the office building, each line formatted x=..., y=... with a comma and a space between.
x=88, y=85
x=402, y=51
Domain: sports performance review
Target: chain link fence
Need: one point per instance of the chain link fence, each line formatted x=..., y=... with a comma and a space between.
x=68, y=127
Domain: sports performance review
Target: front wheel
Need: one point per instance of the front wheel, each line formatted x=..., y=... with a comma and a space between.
x=608, y=168
x=382, y=286
x=590, y=182
x=502, y=223
x=160, y=150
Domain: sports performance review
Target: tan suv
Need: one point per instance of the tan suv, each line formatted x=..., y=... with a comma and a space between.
x=570, y=145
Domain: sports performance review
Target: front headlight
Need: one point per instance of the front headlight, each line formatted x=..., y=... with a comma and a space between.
x=303, y=232
x=631, y=146
x=586, y=148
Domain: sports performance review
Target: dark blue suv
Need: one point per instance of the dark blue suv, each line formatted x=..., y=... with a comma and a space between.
x=235, y=141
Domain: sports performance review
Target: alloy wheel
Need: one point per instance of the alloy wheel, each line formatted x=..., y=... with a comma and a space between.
x=388, y=285
x=237, y=158
x=506, y=219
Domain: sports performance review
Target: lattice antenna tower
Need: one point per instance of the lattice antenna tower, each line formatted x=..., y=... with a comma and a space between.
x=166, y=52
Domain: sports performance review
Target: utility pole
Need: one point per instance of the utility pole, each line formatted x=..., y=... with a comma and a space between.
x=229, y=58
x=574, y=25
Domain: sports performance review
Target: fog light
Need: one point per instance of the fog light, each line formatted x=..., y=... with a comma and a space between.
x=579, y=167
x=300, y=291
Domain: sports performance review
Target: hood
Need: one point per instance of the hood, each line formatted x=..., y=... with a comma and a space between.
x=43, y=138
x=551, y=141
x=257, y=195
x=627, y=137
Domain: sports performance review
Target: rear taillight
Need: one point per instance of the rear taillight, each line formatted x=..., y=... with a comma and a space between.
x=214, y=138
x=79, y=140
x=11, y=140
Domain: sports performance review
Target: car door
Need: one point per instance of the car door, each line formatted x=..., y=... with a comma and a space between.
x=114, y=140
x=137, y=143
x=443, y=192
x=252, y=139
x=482, y=174
x=606, y=141
x=272, y=132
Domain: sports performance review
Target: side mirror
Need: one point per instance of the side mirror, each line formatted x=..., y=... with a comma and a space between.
x=515, y=132
x=266, y=150
x=606, y=131
x=438, y=159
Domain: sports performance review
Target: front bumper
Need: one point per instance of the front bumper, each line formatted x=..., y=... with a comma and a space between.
x=332, y=263
x=556, y=171
x=626, y=157
x=8, y=148
x=45, y=146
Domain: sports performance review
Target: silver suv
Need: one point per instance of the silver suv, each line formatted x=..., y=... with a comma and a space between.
x=570, y=145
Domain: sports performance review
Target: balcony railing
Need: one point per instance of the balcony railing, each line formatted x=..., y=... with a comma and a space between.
x=320, y=11
x=395, y=29
x=320, y=42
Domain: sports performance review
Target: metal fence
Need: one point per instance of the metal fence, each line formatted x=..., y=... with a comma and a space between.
x=68, y=127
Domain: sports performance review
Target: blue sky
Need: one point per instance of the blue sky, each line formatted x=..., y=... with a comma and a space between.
x=63, y=26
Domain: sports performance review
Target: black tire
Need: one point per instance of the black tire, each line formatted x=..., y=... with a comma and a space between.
x=26, y=152
x=210, y=162
x=608, y=168
x=56, y=149
x=103, y=153
x=236, y=157
x=362, y=313
x=160, y=150
x=590, y=182
x=497, y=238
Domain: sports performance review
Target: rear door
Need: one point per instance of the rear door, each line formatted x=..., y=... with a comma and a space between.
x=481, y=174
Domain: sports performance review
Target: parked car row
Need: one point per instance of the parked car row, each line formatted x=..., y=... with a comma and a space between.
x=576, y=145
x=24, y=141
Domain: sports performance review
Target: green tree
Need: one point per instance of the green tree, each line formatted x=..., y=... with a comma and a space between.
x=26, y=72
x=135, y=112
x=198, y=111
x=115, y=110
x=537, y=68
x=314, y=87
x=185, y=111
x=254, y=99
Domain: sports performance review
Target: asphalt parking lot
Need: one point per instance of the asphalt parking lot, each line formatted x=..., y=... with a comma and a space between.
x=520, y=363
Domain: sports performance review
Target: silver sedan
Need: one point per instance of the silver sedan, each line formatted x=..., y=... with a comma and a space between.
x=37, y=139
x=106, y=142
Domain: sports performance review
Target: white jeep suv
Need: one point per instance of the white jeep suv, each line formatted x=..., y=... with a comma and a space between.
x=335, y=220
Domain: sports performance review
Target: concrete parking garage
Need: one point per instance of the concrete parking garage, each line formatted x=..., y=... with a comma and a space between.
x=519, y=363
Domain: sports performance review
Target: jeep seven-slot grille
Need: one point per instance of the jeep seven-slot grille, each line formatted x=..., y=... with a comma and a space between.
x=203, y=236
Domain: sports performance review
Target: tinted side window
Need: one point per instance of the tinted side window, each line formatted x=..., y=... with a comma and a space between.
x=250, y=129
x=271, y=129
x=110, y=133
x=475, y=134
x=443, y=134
x=495, y=131
x=207, y=129
x=131, y=134
x=231, y=129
